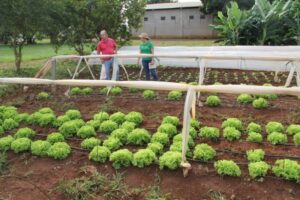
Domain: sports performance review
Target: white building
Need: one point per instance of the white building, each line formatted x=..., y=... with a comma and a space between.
x=176, y=20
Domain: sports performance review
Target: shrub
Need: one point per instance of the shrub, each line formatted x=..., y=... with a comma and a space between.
x=61, y=119
x=169, y=129
x=134, y=117
x=195, y=124
x=258, y=169
x=277, y=138
x=255, y=155
x=260, y=103
x=59, y=150
x=87, y=91
x=204, y=152
x=231, y=133
x=211, y=133
x=76, y=91
x=101, y=116
x=254, y=137
x=9, y=124
x=25, y=133
x=227, y=168
x=287, y=169
x=156, y=147
x=274, y=127
x=134, y=90
x=149, y=94
x=254, y=127
x=193, y=132
x=129, y=126
x=118, y=117
x=86, y=132
x=170, y=160
x=121, y=158
x=90, y=143
x=94, y=123
x=116, y=91
x=213, y=101
x=55, y=137
x=296, y=139
x=99, y=154
x=47, y=120
x=144, y=157
x=108, y=126
x=178, y=138
x=73, y=114
x=22, y=118
x=120, y=134
x=175, y=95
x=40, y=147
x=244, y=99
x=138, y=137
x=233, y=122
x=5, y=142
x=42, y=96
x=293, y=129
x=112, y=143
x=171, y=120
x=162, y=138
x=20, y=145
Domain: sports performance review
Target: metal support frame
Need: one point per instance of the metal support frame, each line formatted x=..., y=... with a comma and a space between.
x=202, y=70
x=53, y=73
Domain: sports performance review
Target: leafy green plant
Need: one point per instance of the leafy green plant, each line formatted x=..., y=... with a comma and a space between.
x=46, y=110
x=134, y=90
x=178, y=138
x=260, y=103
x=73, y=114
x=233, y=122
x=9, y=124
x=258, y=169
x=227, y=168
x=59, y=150
x=108, y=126
x=55, y=137
x=296, y=139
x=169, y=129
x=277, y=138
x=61, y=119
x=120, y=134
x=293, y=129
x=118, y=117
x=25, y=133
x=112, y=143
x=40, y=147
x=156, y=147
x=255, y=155
x=254, y=127
x=101, y=116
x=138, y=136
x=287, y=169
x=86, y=132
x=204, y=152
x=244, y=99
x=1, y=130
x=94, y=123
x=213, y=101
x=76, y=91
x=22, y=118
x=90, y=143
x=5, y=142
x=193, y=132
x=211, y=133
x=170, y=160
x=87, y=91
x=274, y=127
x=195, y=124
x=177, y=146
x=162, y=138
x=129, y=126
x=70, y=128
x=134, y=117
x=231, y=133
x=121, y=158
x=116, y=91
x=47, y=119
x=20, y=145
x=149, y=94
x=144, y=157
x=104, y=91
x=171, y=120
x=99, y=154
x=175, y=95
x=42, y=96
x=254, y=137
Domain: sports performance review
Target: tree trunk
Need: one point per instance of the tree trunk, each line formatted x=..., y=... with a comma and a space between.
x=18, y=54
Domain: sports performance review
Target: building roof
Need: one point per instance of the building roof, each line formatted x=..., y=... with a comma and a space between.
x=167, y=6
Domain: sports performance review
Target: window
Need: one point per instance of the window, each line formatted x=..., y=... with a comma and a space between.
x=173, y=18
x=145, y=19
x=191, y=17
x=202, y=16
x=163, y=18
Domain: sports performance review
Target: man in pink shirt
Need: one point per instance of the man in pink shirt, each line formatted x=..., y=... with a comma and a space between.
x=107, y=46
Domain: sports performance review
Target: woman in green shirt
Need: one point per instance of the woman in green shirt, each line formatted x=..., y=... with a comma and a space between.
x=147, y=47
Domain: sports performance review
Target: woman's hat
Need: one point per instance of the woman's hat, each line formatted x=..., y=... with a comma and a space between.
x=144, y=35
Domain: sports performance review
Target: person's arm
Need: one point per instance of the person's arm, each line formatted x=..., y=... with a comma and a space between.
x=152, y=52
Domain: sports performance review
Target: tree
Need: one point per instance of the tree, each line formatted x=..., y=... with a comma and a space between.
x=20, y=19
x=159, y=1
x=214, y=6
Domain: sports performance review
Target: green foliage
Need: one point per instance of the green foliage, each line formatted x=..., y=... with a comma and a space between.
x=1, y=130
x=255, y=155
x=254, y=137
x=170, y=160
x=121, y=158
x=22, y=118
x=267, y=96
x=87, y=91
x=138, y=137
x=59, y=150
x=195, y=124
x=46, y=110
x=293, y=129
x=260, y=103
x=227, y=168
x=118, y=117
x=61, y=119
x=70, y=128
x=47, y=119
x=211, y=133
x=156, y=147
x=149, y=94
x=277, y=138
x=7, y=112
x=76, y=91
x=40, y=147
x=214, y=6
x=244, y=99
x=108, y=126
x=287, y=169
x=73, y=114
x=204, y=152
x=193, y=132
x=134, y=117
x=134, y=90
x=55, y=137
x=233, y=122
x=104, y=91
x=175, y=95
x=258, y=169
x=101, y=116
x=169, y=129
x=20, y=145
x=162, y=138
x=178, y=138
x=86, y=132
x=25, y=132
x=90, y=143
x=94, y=123
x=112, y=143
x=5, y=142
x=99, y=154
x=116, y=91
x=254, y=127
x=296, y=139
x=171, y=120
x=213, y=101
x=129, y=126
x=274, y=127
x=177, y=146
x=43, y=96
x=9, y=124
x=120, y=134
x=231, y=133
x=144, y=157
